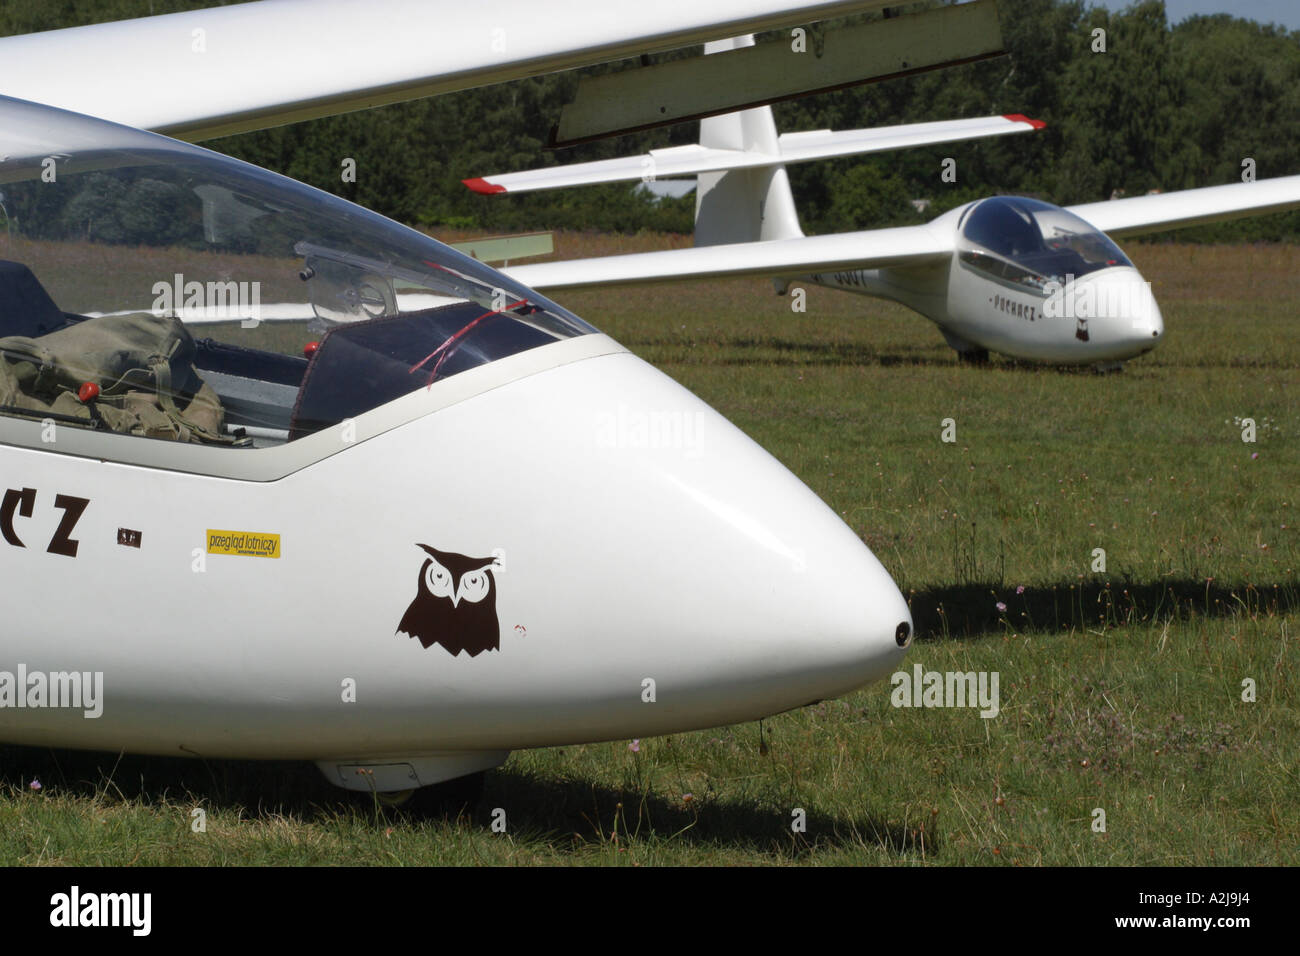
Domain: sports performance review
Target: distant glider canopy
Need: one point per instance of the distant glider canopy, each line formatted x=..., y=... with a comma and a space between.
x=1031, y=242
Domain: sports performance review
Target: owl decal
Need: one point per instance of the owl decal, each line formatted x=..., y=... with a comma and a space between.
x=455, y=604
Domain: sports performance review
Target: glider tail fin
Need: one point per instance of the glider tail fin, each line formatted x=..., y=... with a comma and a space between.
x=743, y=205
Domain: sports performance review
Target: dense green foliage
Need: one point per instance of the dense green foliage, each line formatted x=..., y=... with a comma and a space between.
x=1162, y=108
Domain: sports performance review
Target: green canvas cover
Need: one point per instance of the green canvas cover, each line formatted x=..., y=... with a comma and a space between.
x=143, y=365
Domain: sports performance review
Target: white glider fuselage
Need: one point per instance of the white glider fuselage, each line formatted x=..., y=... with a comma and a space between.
x=640, y=537
x=460, y=522
x=1106, y=315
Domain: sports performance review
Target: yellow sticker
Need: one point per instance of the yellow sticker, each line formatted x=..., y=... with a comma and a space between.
x=252, y=544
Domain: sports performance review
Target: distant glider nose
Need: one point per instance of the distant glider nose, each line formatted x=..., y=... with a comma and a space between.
x=1125, y=301
x=1140, y=308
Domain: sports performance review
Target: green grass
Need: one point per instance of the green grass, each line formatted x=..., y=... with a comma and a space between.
x=1119, y=690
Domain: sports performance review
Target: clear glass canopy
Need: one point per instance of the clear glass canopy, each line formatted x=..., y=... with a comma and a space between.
x=151, y=287
x=1029, y=243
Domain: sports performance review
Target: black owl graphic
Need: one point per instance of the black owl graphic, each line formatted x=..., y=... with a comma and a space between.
x=455, y=604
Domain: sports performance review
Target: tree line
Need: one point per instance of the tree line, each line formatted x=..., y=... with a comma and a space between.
x=1131, y=105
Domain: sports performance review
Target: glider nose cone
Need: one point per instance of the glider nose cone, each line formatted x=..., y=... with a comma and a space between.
x=857, y=626
x=1125, y=301
x=665, y=573
x=767, y=600
x=1142, y=312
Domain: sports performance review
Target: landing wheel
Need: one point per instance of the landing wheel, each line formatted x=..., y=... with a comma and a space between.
x=451, y=798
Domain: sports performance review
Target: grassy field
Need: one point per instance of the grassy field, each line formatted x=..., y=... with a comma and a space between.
x=1121, y=691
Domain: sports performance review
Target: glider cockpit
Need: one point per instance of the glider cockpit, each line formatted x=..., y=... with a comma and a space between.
x=141, y=276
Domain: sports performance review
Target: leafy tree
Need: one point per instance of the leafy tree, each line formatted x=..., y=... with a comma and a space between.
x=1163, y=108
x=869, y=196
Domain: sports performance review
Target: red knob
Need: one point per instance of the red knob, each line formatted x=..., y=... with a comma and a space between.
x=88, y=392
x=309, y=349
